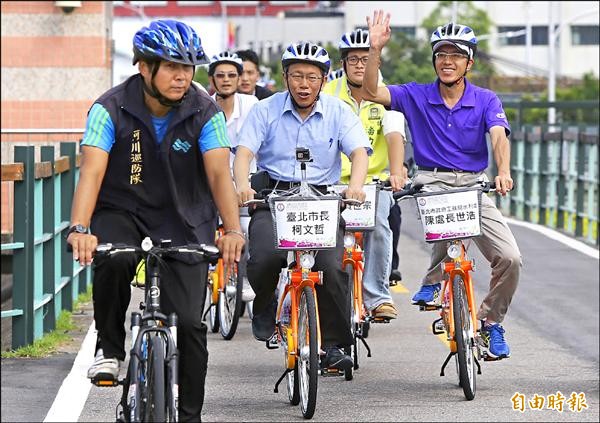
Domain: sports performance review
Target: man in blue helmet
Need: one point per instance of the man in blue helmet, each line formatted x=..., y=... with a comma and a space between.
x=155, y=163
x=304, y=117
x=449, y=119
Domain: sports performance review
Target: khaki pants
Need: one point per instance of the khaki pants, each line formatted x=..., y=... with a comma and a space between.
x=496, y=243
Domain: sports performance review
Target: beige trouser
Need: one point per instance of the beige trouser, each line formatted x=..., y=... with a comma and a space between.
x=496, y=243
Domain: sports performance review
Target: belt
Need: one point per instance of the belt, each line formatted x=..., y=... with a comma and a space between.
x=444, y=169
x=284, y=186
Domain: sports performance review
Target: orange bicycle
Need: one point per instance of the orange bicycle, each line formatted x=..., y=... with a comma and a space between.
x=224, y=296
x=453, y=216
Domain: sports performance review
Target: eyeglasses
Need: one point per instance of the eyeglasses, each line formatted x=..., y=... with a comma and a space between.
x=452, y=56
x=312, y=78
x=353, y=60
x=228, y=75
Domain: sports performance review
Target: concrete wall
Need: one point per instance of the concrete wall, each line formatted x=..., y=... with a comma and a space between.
x=54, y=65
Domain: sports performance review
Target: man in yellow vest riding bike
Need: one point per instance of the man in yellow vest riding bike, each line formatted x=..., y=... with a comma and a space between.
x=386, y=134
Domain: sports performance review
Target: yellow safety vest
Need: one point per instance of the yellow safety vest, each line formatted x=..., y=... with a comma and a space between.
x=371, y=115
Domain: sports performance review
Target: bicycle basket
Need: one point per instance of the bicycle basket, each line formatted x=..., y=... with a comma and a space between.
x=305, y=222
x=447, y=215
x=362, y=217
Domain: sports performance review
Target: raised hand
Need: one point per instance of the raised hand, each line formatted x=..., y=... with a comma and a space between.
x=379, y=29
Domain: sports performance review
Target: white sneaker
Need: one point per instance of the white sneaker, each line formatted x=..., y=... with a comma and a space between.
x=247, y=292
x=104, y=368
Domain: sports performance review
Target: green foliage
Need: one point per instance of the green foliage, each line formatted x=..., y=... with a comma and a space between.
x=406, y=59
x=201, y=76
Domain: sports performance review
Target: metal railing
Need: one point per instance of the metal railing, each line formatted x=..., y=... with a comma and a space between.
x=46, y=280
x=556, y=174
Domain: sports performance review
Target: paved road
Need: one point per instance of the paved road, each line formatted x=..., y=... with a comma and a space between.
x=552, y=328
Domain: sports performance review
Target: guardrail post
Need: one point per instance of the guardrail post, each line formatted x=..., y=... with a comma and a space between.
x=49, y=247
x=67, y=189
x=22, y=326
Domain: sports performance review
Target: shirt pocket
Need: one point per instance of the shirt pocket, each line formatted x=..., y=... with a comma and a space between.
x=470, y=139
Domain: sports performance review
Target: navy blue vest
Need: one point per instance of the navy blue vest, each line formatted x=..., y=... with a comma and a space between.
x=163, y=186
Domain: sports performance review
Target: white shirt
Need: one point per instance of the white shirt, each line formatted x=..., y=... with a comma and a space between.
x=242, y=103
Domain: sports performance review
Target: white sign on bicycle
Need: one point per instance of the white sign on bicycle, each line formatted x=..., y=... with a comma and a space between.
x=305, y=223
x=360, y=217
x=450, y=215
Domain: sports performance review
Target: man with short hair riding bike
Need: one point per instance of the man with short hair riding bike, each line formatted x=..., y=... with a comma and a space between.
x=303, y=117
x=224, y=72
x=448, y=120
x=155, y=163
x=386, y=134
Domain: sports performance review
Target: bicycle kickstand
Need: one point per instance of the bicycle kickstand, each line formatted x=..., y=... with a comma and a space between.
x=280, y=379
x=366, y=345
x=446, y=362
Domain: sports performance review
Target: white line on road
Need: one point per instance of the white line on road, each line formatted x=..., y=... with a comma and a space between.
x=73, y=392
x=557, y=236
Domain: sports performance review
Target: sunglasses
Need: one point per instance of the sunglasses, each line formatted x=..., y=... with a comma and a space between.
x=228, y=75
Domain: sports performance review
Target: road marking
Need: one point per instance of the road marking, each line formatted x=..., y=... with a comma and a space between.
x=399, y=289
x=74, y=391
x=557, y=236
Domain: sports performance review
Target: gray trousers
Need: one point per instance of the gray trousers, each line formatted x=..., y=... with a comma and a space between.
x=496, y=243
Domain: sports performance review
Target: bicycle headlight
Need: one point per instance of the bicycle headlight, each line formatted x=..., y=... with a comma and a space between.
x=307, y=261
x=349, y=240
x=453, y=251
x=147, y=244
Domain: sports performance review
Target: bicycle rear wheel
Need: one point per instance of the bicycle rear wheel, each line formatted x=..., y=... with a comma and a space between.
x=213, y=315
x=154, y=410
x=308, y=357
x=352, y=350
x=464, y=337
x=230, y=301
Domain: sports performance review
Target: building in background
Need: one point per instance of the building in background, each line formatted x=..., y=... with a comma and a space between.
x=56, y=60
x=268, y=26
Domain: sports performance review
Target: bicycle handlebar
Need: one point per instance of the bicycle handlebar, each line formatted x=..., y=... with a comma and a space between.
x=208, y=252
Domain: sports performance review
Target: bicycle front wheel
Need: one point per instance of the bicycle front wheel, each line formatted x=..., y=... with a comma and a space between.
x=154, y=410
x=213, y=315
x=308, y=363
x=230, y=301
x=464, y=337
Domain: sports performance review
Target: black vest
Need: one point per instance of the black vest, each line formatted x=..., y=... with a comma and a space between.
x=163, y=186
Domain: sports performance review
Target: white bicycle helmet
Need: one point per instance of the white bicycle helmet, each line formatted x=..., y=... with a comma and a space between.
x=460, y=36
x=357, y=39
x=335, y=74
x=306, y=52
x=225, y=57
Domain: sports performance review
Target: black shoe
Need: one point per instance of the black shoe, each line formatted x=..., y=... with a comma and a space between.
x=336, y=358
x=263, y=323
x=395, y=276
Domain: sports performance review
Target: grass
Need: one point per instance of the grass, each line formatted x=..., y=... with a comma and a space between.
x=49, y=343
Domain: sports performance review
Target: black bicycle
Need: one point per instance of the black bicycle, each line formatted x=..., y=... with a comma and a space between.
x=150, y=389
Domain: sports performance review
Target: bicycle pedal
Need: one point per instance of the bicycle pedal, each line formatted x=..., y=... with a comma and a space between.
x=487, y=357
x=380, y=319
x=437, y=327
x=272, y=343
x=106, y=383
x=428, y=307
x=330, y=371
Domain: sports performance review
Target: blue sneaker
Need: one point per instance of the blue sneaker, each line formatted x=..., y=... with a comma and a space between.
x=427, y=295
x=494, y=338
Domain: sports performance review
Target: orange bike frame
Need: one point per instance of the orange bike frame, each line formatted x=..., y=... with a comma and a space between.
x=298, y=279
x=355, y=258
x=459, y=266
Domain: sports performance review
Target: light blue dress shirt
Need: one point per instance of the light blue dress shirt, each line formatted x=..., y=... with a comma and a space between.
x=273, y=130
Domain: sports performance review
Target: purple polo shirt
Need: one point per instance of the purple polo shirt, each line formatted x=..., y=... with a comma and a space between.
x=451, y=138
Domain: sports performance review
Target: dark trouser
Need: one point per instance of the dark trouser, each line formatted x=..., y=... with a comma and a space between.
x=183, y=290
x=264, y=266
x=395, y=219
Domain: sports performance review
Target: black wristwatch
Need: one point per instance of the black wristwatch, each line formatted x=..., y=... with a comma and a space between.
x=80, y=229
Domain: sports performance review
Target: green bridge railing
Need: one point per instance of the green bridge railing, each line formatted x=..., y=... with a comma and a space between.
x=46, y=280
x=556, y=177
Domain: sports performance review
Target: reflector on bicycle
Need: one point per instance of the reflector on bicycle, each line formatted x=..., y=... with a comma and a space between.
x=305, y=223
x=451, y=214
x=360, y=217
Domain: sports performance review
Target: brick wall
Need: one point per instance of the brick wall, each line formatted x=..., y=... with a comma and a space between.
x=53, y=66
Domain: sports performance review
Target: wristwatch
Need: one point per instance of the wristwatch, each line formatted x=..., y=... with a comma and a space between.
x=80, y=229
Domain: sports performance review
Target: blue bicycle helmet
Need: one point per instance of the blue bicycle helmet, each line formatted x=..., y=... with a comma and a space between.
x=169, y=40
x=460, y=36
